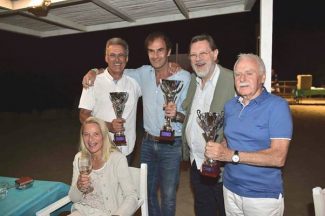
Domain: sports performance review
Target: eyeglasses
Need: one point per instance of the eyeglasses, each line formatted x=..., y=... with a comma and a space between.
x=114, y=56
x=200, y=55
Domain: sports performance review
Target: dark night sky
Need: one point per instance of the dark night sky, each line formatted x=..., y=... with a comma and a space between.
x=38, y=74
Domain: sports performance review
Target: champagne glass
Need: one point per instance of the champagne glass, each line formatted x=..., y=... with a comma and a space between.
x=85, y=167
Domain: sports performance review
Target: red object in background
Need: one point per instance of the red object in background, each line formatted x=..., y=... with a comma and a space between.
x=24, y=182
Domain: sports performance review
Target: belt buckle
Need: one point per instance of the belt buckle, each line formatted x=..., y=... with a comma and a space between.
x=151, y=137
x=156, y=139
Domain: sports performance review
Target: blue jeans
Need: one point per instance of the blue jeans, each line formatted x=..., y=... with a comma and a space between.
x=163, y=162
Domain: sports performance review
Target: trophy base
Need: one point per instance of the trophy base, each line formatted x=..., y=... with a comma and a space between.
x=166, y=136
x=211, y=170
x=119, y=140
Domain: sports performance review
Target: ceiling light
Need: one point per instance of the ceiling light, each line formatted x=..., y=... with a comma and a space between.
x=40, y=8
x=22, y=4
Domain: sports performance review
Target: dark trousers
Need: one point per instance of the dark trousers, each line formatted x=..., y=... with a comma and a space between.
x=208, y=194
x=130, y=158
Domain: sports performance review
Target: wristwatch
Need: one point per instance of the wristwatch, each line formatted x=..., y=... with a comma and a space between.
x=235, y=157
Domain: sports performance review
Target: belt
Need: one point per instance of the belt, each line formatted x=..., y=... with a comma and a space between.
x=148, y=136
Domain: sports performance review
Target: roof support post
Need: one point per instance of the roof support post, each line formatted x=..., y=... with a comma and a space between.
x=266, y=31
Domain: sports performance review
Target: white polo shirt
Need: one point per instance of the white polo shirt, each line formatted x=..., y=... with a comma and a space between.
x=97, y=99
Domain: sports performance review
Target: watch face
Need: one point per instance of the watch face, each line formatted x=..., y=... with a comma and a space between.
x=235, y=158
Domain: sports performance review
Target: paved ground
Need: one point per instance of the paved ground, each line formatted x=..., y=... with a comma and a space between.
x=42, y=145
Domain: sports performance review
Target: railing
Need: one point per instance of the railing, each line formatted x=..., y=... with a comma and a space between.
x=284, y=88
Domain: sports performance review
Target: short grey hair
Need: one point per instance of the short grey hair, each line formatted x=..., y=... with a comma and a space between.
x=118, y=41
x=256, y=58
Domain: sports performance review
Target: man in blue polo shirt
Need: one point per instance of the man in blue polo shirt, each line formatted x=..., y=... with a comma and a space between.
x=258, y=130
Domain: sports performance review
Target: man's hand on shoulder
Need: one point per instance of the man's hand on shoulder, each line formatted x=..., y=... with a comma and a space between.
x=89, y=79
x=174, y=68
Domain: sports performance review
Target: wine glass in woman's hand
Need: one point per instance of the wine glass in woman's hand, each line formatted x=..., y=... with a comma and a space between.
x=85, y=167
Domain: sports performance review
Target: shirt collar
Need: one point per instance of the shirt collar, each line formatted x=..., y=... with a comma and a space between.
x=213, y=79
x=109, y=76
x=259, y=99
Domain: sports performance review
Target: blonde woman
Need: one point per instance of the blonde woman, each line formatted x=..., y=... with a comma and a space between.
x=113, y=192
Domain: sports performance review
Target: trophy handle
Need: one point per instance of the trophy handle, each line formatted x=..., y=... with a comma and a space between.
x=216, y=137
x=163, y=89
x=179, y=88
x=166, y=100
x=199, y=114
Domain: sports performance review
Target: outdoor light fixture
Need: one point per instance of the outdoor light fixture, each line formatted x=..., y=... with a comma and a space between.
x=40, y=8
x=36, y=7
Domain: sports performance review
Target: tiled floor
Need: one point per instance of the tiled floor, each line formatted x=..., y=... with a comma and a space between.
x=184, y=203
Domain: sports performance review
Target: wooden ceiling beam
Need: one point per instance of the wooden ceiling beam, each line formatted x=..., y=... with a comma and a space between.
x=104, y=4
x=183, y=9
x=58, y=21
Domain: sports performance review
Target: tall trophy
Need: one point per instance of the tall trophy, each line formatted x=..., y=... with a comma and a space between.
x=170, y=88
x=118, y=100
x=211, y=123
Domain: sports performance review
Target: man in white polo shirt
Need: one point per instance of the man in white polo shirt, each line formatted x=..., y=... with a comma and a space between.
x=95, y=101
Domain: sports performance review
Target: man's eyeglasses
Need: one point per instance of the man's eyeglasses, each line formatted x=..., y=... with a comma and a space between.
x=201, y=55
x=117, y=56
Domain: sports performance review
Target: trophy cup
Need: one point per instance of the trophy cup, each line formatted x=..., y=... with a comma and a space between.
x=118, y=101
x=211, y=123
x=170, y=89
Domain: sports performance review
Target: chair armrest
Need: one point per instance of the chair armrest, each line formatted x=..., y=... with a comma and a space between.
x=319, y=201
x=54, y=206
x=140, y=202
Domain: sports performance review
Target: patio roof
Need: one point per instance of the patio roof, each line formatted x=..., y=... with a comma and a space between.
x=80, y=16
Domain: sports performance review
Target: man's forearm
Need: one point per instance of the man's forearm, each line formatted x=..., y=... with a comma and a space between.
x=109, y=125
x=83, y=115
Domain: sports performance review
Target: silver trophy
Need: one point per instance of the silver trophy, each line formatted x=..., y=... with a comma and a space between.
x=170, y=88
x=211, y=123
x=119, y=100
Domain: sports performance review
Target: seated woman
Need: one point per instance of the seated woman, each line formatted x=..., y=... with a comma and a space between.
x=112, y=189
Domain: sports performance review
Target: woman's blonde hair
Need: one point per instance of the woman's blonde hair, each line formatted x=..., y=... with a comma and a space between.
x=108, y=145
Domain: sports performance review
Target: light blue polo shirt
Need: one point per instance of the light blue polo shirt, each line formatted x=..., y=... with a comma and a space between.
x=153, y=98
x=251, y=129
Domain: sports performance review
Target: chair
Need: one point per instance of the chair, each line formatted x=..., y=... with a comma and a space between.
x=319, y=201
x=139, y=177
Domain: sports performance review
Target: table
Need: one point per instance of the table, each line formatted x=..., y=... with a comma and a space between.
x=29, y=201
x=309, y=92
